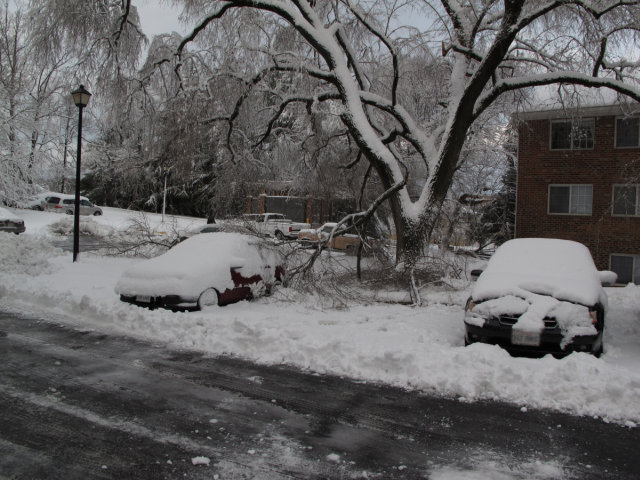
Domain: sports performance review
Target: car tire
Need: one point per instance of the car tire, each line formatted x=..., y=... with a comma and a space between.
x=97, y=214
x=69, y=212
x=208, y=299
x=598, y=353
x=280, y=235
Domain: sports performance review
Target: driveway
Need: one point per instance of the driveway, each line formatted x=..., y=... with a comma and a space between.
x=80, y=404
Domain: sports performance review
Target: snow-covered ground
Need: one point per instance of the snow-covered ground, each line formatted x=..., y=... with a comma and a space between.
x=413, y=347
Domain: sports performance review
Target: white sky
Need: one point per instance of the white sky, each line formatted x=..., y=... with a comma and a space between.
x=158, y=17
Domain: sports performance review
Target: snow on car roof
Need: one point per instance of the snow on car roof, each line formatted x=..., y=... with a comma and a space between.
x=7, y=215
x=562, y=269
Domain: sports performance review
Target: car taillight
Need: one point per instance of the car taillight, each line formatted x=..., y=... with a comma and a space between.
x=57, y=206
x=594, y=316
x=290, y=229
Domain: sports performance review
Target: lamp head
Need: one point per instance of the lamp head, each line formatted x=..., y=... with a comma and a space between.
x=81, y=96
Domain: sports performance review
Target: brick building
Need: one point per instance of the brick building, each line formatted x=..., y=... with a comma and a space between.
x=578, y=179
x=280, y=197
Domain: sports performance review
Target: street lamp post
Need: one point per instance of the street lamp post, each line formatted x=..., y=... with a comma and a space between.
x=81, y=99
x=164, y=194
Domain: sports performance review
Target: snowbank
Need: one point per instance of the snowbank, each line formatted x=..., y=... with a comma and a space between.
x=416, y=348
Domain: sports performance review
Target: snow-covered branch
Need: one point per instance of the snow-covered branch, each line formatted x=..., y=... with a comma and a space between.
x=574, y=78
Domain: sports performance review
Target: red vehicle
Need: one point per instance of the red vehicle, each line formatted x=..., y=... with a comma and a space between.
x=205, y=270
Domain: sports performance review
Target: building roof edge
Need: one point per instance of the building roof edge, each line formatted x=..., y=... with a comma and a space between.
x=617, y=109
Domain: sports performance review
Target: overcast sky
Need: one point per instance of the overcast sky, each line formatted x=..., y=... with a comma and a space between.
x=158, y=17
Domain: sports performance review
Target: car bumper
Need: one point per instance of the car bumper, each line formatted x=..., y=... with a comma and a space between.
x=13, y=229
x=172, y=302
x=551, y=340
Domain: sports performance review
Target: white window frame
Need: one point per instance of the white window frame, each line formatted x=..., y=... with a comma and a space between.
x=574, y=123
x=570, y=185
x=615, y=134
x=613, y=198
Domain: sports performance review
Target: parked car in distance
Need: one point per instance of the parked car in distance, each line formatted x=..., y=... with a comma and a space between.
x=205, y=270
x=346, y=241
x=273, y=225
x=539, y=296
x=9, y=222
x=229, y=227
x=34, y=202
x=63, y=203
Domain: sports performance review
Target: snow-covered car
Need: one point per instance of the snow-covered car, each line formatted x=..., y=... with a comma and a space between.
x=539, y=295
x=9, y=222
x=346, y=241
x=63, y=203
x=34, y=202
x=228, y=227
x=205, y=270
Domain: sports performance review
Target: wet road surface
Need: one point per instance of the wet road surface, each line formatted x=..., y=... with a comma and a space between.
x=78, y=404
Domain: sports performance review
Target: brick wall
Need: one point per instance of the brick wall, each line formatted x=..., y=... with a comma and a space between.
x=602, y=166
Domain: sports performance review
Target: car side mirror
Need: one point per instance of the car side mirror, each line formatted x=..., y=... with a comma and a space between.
x=607, y=277
x=475, y=274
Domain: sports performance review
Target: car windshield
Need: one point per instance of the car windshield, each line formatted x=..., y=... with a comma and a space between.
x=558, y=268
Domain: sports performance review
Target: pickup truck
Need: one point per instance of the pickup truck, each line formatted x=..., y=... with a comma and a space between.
x=275, y=225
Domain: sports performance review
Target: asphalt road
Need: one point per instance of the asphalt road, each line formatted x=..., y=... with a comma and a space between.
x=78, y=404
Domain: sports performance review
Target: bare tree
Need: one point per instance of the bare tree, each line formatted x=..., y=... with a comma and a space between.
x=13, y=69
x=356, y=56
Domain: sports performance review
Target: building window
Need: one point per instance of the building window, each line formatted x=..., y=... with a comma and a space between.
x=626, y=266
x=627, y=132
x=625, y=200
x=572, y=135
x=570, y=199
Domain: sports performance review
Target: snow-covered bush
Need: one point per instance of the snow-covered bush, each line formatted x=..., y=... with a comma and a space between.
x=26, y=254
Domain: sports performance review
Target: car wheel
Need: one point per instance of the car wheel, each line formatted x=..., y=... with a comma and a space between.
x=97, y=214
x=208, y=298
x=69, y=212
x=279, y=235
x=598, y=353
